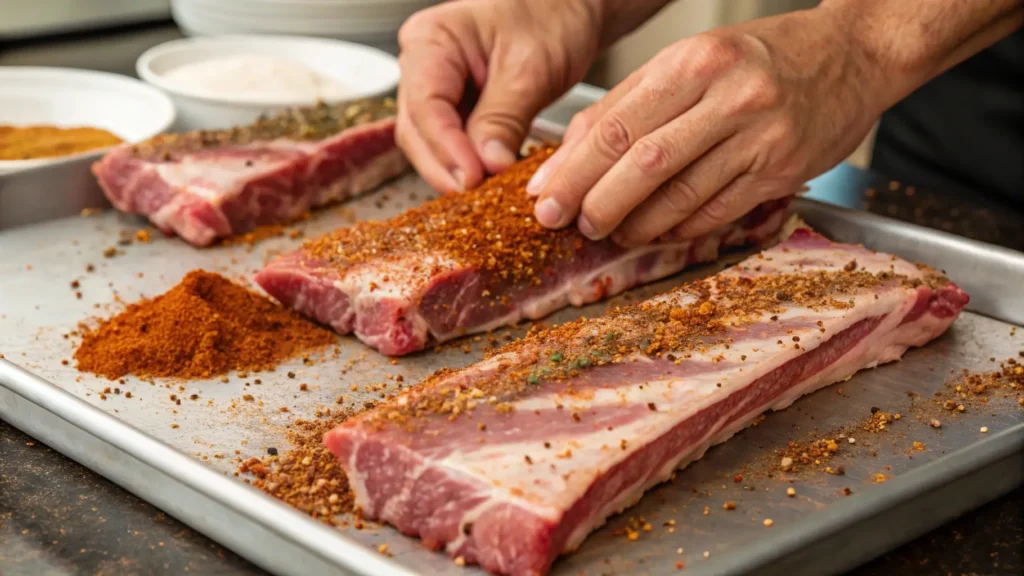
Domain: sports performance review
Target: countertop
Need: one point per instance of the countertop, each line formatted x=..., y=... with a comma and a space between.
x=58, y=518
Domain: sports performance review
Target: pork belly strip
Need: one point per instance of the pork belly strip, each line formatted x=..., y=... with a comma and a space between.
x=513, y=461
x=213, y=184
x=473, y=262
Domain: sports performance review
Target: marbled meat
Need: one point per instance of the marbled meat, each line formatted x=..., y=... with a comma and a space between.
x=476, y=261
x=514, y=460
x=213, y=184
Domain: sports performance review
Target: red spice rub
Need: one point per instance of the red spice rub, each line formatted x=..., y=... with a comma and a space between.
x=203, y=327
x=490, y=228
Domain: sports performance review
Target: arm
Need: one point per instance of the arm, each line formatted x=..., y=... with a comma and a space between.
x=913, y=42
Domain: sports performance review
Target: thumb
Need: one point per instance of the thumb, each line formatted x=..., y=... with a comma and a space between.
x=501, y=120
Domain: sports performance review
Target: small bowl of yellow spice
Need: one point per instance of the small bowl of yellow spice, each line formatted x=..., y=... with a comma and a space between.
x=52, y=114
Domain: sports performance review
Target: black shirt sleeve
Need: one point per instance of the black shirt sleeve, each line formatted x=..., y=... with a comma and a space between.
x=963, y=132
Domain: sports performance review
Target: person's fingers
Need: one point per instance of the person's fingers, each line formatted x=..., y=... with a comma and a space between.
x=420, y=155
x=434, y=87
x=735, y=200
x=513, y=93
x=651, y=104
x=578, y=128
x=683, y=194
x=644, y=176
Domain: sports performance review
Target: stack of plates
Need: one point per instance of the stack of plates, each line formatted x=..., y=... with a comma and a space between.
x=373, y=22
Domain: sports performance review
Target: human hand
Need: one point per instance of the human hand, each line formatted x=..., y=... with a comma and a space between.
x=522, y=53
x=709, y=128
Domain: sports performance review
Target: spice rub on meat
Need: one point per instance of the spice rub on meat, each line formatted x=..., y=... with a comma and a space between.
x=475, y=261
x=512, y=461
x=206, y=185
x=203, y=327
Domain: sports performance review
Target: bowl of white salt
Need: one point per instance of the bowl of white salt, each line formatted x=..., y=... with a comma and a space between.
x=218, y=82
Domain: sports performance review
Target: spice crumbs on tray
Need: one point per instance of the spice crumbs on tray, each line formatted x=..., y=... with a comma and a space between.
x=306, y=476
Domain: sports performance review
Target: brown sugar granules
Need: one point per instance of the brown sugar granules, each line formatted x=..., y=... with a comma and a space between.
x=307, y=476
x=204, y=326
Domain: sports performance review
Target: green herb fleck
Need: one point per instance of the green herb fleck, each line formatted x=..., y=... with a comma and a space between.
x=556, y=357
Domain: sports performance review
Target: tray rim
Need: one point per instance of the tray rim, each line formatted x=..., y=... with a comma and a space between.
x=293, y=528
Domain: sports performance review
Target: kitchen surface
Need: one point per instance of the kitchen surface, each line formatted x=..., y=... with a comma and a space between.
x=920, y=511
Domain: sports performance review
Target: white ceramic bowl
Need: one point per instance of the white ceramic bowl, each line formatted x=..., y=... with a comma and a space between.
x=68, y=97
x=368, y=73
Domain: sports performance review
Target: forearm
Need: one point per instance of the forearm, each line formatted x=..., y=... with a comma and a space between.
x=909, y=43
x=620, y=17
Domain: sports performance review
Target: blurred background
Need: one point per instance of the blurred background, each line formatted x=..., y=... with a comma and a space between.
x=110, y=35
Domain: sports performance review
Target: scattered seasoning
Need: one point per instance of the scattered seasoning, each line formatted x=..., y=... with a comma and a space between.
x=308, y=123
x=307, y=476
x=935, y=423
x=917, y=446
x=791, y=492
x=204, y=326
x=730, y=505
x=768, y=522
x=984, y=429
x=651, y=328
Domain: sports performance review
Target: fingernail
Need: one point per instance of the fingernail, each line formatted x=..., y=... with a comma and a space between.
x=549, y=212
x=587, y=229
x=460, y=179
x=495, y=153
x=538, y=180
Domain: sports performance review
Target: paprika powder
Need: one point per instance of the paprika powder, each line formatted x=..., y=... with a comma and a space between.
x=203, y=327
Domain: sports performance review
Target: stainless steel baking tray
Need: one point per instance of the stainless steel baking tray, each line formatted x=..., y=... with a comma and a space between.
x=132, y=442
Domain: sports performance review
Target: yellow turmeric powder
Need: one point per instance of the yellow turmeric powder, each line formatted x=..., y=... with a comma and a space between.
x=32, y=142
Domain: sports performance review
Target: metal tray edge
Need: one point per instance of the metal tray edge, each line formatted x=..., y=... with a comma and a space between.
x=985, y=271
x=32, y=401
x=974, y=475
x=36, y=399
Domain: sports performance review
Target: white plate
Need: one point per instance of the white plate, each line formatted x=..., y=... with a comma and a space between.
x=69, y=98
x=368, y=72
